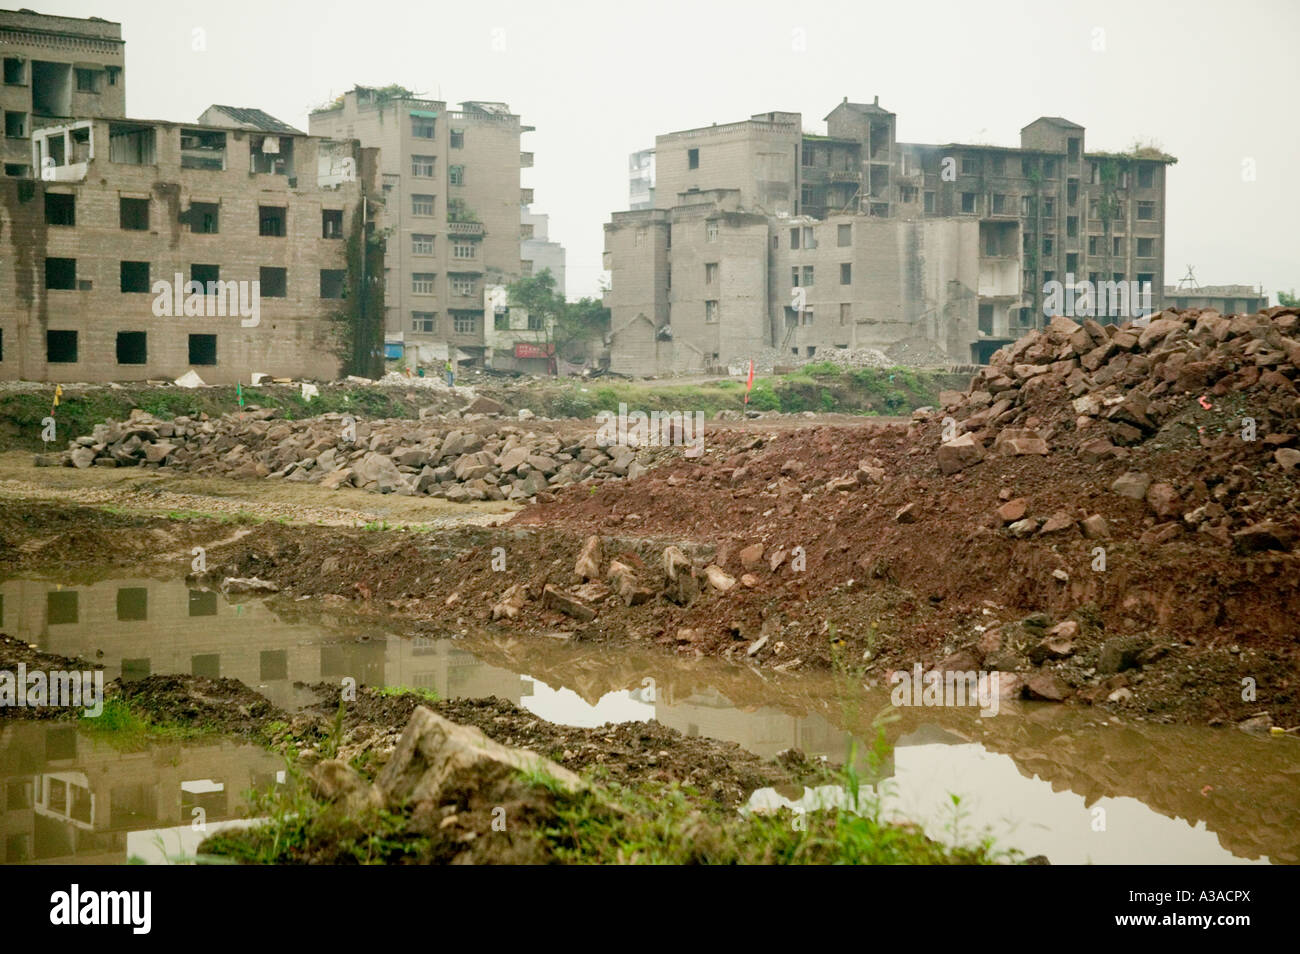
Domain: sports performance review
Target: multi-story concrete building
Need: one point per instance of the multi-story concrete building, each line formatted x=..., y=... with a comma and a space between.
x=453, y=210
x=641, y=180
x=147, y=248
x=767, y=239
x=56, y=68
x=1226, y=299
x=537, y=250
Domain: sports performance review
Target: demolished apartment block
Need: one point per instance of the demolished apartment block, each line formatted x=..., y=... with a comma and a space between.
x=148, y=248
x=766, y=241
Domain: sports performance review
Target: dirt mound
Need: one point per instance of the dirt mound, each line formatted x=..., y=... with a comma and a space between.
x=933, y=538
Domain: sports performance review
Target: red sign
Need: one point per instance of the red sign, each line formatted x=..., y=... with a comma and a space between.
x=526, y=349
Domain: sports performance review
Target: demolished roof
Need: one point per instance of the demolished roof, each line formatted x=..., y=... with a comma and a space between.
x=246, y=117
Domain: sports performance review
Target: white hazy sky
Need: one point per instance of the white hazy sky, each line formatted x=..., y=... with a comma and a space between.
x=1213, y=83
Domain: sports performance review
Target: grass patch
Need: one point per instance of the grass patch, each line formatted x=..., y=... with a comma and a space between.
x=125, y=727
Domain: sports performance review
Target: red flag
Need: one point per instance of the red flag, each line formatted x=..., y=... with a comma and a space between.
x=750, y=383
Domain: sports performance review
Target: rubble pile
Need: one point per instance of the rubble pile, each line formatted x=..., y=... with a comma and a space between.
x=478, y=457
x=1108, y=393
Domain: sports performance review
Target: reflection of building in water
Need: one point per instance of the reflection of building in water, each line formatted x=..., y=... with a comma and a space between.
x=143, y=627
x=68, y=798
x=764, y=731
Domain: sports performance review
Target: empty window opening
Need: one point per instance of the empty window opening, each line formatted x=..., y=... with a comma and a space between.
x=203, y=349
x=332, y=282
x=206, y=276
x=133, y=214
x=61, y=274
x=203, y=149
x=205, y=218
x=846, y=273
x=18, y=170
x=711, y=273
x=271, y=155
x=15, y=71
x=132, y=347
x=272, y=220
x=1146, y=247
x=1072, y=149
x=422, y=127
x=61, y=606
x=458, y=139
x=15, y=125
x=132, y=145
x=693, y=158
x=51, y=88
x=61, y=347
x=331, y=223
x=1146, y=177
x=135, y=276
x=273, y=282
x=968, y=201
x=203, y=603
x=60, y=209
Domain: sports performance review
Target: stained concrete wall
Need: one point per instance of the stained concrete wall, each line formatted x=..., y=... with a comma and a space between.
x=297, y=335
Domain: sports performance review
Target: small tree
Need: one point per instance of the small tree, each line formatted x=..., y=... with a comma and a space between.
x=563, y=323
x=1288, y=300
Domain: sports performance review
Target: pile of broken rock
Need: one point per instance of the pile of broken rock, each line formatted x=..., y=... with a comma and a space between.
x=460, y=460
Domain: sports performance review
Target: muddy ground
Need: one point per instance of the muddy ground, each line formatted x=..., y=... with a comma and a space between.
x=1188, y=620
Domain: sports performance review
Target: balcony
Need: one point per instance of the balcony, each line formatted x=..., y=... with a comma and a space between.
x=846, y=175
x=474, y=229
x=525, y=196
x=525, y=160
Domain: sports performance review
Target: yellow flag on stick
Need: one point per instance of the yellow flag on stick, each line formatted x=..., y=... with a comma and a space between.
x=58, y=393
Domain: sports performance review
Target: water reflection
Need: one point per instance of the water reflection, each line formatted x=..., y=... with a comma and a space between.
x=1065, y=782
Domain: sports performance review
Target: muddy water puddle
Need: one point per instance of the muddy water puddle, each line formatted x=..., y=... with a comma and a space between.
x=1076, y=785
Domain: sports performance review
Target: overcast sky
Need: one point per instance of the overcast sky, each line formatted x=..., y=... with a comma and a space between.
x=1213, y=83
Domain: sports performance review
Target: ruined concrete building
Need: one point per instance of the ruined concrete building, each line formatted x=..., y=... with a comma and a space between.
x=148, y=248
x=765, y=239
x=56, y=68
x=1226, y=299
x=455, y=212
x=137, y=249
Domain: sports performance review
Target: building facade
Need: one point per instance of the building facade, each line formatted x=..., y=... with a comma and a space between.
x=453, y=200
x=1226, y=299
x=765, y=239
x=149, y=248
x=55, y=69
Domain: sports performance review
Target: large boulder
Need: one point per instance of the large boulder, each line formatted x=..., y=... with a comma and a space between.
x=433, y=751
x=960, y=452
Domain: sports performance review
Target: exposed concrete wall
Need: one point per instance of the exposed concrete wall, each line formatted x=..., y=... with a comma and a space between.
x=636, y=247
x=297, y=335
x=906, y=280
x=759, y=158
x=72, y=43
